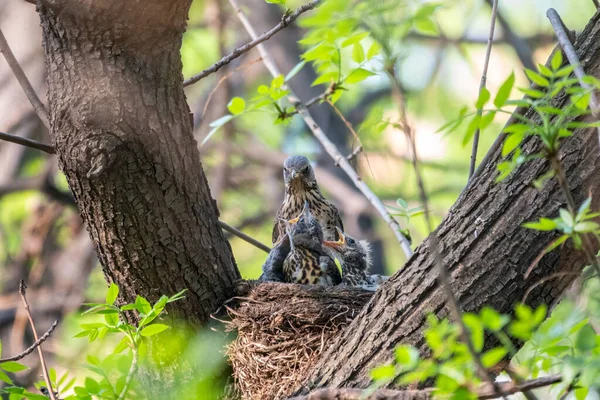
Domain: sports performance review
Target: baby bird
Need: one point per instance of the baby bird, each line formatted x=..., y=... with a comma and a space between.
x=307, y=262
x=301, y=187
x=273, y=266
x=354, y=257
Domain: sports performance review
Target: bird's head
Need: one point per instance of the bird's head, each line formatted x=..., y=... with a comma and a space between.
x=305, y=230
x=297, y=172
x=349, y=250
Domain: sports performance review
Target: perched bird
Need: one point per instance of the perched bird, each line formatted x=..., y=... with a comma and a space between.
x=300, y=187
x=307, y=261
x=273, y=266
x=355, y=258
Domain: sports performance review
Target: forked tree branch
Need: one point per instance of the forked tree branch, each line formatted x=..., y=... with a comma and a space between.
x=256, y=40
x=327, y=144
x=38, y=106
x=488, y=52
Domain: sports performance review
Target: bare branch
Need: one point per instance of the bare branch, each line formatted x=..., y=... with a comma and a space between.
x=22, y=290
x=243, y=236
x=256, y=40
x=31, y=348
x=327, y=144
x=522, y=48
x=484, y=392
x=567, y=46
x=34, y=144
x=38, y=106
x=486, y=63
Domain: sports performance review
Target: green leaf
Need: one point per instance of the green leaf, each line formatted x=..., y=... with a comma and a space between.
x=492, y=319
x=586, y=226
x=355, y=39
x=290, y=74
x=484, y=96
x=358, y=75
x=426, y=26
x=123, y=345
x=236, y=106
x=263, y=89
x=504, y=91
x=581, y=101
x=544, y=224
x=407, y=356
x=153, y=329
x=471, y=128
x=533, y=93
x=92, y=386
x=565, y=71
x=566, y=216
x=557, y=60
x=82, y=334
x=545, y=70
x=111, y=320
x=493, y=356
x=358, y=53
x=177, y=296
x=384, y=372
x=374, y=50
x=13, y=366
x=537, y=78
x=511, y=142
x=539, y=315
x=5, y=378
x=586, y=339
x=113, y=292
x=476, y=328
x=582, y=392
x=282, y=2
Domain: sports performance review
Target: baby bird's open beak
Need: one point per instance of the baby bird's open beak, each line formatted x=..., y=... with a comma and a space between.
x=338, y=244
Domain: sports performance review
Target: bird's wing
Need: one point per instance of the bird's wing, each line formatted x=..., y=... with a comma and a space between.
x=273, y=266
x=277, y=231
x=331, y=269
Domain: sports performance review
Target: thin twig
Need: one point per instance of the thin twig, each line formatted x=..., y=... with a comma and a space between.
x=443, y=275
x=31, y=348
x=569, y=50
x=38, y=106
x=34, y=144
x=223, y=79
x=546, y=279
x=132, y=370
x=488, y=52
x=256, y=40
x=22, y=290
x=243, y=236
x=327, y=144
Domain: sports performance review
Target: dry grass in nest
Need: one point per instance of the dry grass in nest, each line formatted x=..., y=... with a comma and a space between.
x=281, y=331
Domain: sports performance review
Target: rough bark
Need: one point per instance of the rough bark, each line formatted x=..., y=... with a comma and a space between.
x=122, y=130
x=485, y=248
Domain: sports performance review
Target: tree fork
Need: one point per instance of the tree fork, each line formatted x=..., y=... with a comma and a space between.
x=485, y=249
x=122, y=130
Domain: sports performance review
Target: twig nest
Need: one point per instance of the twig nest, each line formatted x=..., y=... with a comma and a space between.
x=282, y=329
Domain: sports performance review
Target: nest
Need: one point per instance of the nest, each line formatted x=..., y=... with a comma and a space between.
x=281, y=331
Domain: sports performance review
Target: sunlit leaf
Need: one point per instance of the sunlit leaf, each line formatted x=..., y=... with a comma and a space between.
x=358, y=53
x=493, y=356
x=113, y=292
x=537, y=78
x=557, y=60
x=358, y=75
x=504, y=91
x=236, y=106
x=13, y=366
x=153, y=329
x=290, y=74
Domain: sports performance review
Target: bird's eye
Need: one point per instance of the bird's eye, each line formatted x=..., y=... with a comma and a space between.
x=305, y=169
x=351, y=241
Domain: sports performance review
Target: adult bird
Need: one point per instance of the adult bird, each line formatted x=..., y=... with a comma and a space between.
x=307, y=262
x=355, y=258
x=300, y=187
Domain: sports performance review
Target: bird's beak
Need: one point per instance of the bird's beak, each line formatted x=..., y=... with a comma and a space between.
x=338, y=244
x=294, y=174
x=292, y=221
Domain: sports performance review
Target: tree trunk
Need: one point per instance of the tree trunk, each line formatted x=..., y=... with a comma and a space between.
x=122, y=130
x=485, y=248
